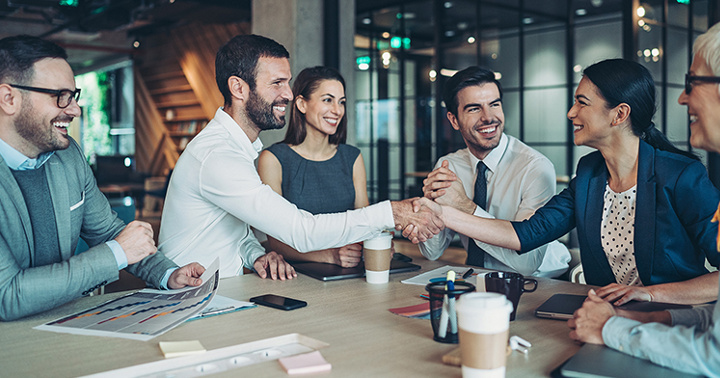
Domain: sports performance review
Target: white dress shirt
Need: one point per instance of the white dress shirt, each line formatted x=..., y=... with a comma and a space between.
x=520, y=180
x=215, y=195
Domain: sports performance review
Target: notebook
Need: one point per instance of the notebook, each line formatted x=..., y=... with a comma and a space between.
x=599, y=361
x=562, y=306
x=331, y=272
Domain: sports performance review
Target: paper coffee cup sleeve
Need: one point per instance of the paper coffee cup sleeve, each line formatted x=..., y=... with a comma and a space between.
x=483, y=351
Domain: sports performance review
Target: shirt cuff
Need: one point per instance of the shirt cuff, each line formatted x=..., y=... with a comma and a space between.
x=386, y=208
x=616, y=332
x=119, y=254
x=479, y=212
x=166, y=277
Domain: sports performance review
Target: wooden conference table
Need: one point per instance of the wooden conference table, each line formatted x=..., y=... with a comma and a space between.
x=366, y=340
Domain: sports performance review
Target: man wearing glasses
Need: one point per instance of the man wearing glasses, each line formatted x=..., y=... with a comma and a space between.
x=49, y=198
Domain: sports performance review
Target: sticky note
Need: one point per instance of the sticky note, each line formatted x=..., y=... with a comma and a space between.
x=180, y=348
x=312, y=362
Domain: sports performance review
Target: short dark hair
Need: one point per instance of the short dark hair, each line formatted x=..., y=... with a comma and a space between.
x=470, y=76
x=18, y=55
x=306, y=83
x=239, y=57
x=623, y=81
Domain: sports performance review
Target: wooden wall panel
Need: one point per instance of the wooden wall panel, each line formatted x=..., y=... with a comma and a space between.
x=154, y=152
x=176, y=76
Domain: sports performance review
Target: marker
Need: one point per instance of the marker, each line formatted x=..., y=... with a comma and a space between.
x=468, y=273
x=451, y=302
x=444, y=314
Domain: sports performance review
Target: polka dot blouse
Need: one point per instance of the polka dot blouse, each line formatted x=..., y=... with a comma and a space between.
x=617, y=235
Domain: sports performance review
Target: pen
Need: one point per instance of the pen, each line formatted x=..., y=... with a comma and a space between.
x=468, y=273
x=216, y=312
x=451, y=302
x=444, y=314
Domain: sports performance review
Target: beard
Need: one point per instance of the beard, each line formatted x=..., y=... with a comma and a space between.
x=43, y=136
x=261, y=112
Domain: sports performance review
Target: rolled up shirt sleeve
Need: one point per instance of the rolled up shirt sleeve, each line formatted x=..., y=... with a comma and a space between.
x=682, y=348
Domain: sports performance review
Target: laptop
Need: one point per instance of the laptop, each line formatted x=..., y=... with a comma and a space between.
x=332, y=272
x=563, y=306
x=599, y=361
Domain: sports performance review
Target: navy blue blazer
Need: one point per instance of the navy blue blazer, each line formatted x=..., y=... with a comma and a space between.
x=673, y=233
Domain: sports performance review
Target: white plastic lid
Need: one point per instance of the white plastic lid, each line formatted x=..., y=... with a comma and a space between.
x=380, y=242
x=483, y=300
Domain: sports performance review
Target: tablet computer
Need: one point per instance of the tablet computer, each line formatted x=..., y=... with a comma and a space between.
x=563, y=306
x=332, y=272
x=599, y=361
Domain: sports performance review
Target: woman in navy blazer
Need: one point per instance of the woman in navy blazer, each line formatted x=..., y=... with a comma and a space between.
x=674, y=198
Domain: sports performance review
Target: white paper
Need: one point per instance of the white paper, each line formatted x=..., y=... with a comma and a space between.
x=141, y=315
x=441, y=273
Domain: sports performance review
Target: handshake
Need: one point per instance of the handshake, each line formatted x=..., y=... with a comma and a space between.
x=418, y=218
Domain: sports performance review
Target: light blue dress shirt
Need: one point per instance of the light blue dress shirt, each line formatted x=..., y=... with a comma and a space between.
x=692, y=344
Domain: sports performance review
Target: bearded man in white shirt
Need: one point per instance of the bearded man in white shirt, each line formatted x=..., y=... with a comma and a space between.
x=215, y=195
x=517, y=181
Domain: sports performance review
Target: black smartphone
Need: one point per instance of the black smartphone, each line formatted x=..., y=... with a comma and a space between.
x=276, y=301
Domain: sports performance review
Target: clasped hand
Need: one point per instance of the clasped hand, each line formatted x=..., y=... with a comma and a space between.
x=418, y=224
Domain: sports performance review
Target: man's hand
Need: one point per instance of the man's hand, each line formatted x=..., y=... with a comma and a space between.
x=452, y=192
x=274, y=264
x=189, y=275
x=136, y=239
x=620, y=294
x=425, y=223
x=348, y=256
x=588, y=321
x=438, y=180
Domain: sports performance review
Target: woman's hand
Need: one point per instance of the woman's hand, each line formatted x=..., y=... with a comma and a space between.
x=620, y=294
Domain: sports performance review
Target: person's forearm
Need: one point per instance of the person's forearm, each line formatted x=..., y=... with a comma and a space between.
x=698, y=290
x=291, y=254
x=492, y=231
x=662, y=317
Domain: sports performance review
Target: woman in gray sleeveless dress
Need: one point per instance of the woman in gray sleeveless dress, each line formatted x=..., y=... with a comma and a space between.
x=313, y=167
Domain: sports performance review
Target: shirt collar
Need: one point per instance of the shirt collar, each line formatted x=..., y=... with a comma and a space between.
x=236, y=131
x=493, y=158
x=15, y=160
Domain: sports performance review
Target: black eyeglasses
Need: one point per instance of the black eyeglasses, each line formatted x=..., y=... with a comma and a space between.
x=64, y=96
x=689, y=79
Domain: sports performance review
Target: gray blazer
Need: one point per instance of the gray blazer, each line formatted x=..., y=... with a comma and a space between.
x=80, y=210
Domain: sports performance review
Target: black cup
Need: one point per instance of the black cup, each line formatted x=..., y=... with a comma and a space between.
x=511, y=284
x=438, y=291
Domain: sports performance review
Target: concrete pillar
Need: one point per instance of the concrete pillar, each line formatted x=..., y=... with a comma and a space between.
x=299, y=26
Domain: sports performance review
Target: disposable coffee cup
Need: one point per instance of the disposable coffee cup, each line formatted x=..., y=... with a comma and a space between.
x=377, y=253
x=483, y=322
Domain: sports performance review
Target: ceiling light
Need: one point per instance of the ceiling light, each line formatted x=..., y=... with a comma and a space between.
x=366, y=21
x=448, y=72
x=640, y=11
x=580, y=12
x=471, y=39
